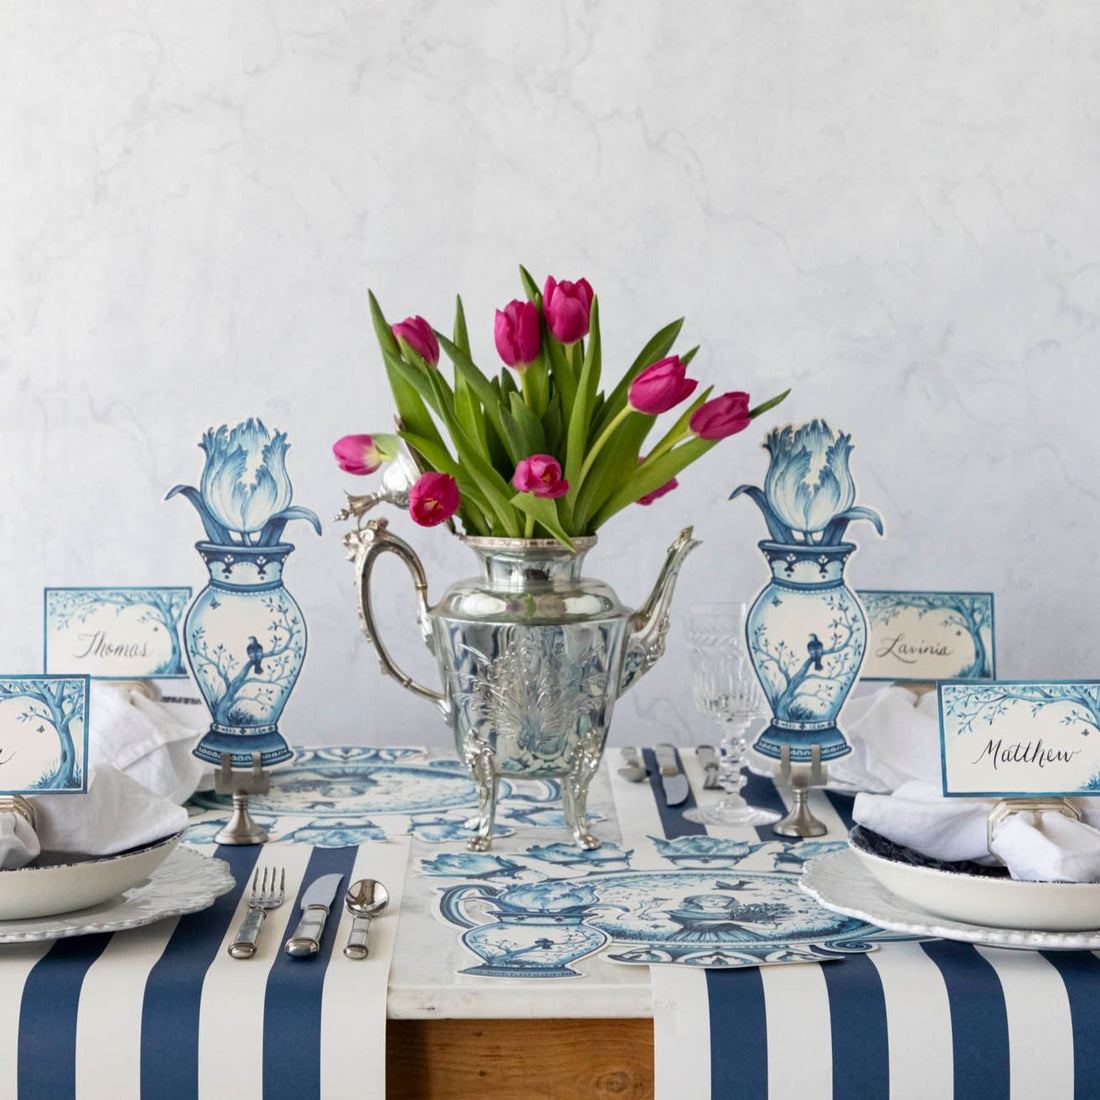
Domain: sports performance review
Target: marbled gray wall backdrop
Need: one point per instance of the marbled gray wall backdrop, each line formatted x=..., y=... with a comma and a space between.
x=892, y=208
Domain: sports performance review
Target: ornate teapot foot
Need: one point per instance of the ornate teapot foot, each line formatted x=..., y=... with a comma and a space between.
x=479, y=759
x=574, y=789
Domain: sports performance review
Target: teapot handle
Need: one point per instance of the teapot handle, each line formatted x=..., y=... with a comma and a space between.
x=452, y=902
x=364, y=545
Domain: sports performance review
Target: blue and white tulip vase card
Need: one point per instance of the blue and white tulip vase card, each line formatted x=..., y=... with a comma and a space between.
x=806, y=631
x=1012, y=738
x=115, y=633
x=921, y=636
x=43, y=734
x=245, y=635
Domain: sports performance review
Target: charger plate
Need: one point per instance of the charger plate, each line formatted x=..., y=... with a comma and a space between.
x=842, y=883
x=185, y=882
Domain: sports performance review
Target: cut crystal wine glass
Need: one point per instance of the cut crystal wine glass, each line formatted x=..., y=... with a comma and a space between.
x=726, y=690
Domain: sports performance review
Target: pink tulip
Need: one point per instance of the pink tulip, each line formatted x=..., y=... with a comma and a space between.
x=517, y=334
x=568, y=309
x=363, y=454
x=660, y=491
x=541, y=476
x=418, y=334
x=660, y=386
x=725, y=415
x=433, y=499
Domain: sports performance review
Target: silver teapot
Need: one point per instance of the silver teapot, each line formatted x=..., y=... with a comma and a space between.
x=532, y=656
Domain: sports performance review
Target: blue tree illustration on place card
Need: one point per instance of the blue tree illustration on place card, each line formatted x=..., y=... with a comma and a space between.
x=130, y=632
x=43, y=734
x=1080, y=701
x=961, y=634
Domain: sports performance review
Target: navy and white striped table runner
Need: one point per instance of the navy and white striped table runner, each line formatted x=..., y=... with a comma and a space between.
x=164, y=1012
x=911, y=1021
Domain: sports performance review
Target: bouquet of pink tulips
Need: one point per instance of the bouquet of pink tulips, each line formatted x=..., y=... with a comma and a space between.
x=539, y=449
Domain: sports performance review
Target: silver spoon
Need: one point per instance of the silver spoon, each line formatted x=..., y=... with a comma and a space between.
x=365, y=899
x=634, y=772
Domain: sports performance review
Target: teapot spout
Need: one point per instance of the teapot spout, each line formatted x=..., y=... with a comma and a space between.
x=648, y=626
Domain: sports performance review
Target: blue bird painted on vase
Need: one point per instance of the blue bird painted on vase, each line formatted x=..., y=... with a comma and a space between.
x=254, y=652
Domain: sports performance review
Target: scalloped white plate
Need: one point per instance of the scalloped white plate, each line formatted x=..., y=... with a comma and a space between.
x=185, y=882
x=59, y=883
x=840, y=882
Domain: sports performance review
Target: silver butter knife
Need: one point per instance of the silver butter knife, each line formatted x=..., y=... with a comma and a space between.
x=708, y=757
x=316, y=903
x=673, y=781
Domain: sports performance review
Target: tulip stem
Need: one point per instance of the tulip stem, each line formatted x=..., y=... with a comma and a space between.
x=666, y=444
x=529, y=528
x=605, y=435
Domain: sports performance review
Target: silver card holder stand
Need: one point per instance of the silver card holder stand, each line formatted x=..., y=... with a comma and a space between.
x=17, y=804
x=240, y=828
x=800, y=778
x=1035, y=804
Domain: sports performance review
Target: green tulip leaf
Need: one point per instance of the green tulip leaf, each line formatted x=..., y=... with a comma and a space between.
x=530, y=287
x=543, y=511
x=769, y=404
x=651, y=475
x=579, y=420
x=530, y=427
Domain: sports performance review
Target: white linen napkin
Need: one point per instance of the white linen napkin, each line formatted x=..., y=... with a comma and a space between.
x=894, y=738
x=1047, y=847
x=18, y=841
x=145, y=739
x=115, y=814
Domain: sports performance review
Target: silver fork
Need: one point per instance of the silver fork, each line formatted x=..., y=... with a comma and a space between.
x=262, y=898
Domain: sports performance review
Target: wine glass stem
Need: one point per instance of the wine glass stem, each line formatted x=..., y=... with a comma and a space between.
x=732, y=747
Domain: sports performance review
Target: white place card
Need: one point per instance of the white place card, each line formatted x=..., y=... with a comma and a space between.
x=43, y=734
x=921, y=636
x=1014, y=738
x=115, y=633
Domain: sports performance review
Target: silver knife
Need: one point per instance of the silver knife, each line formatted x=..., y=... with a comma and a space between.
x=316, y=903
x=708, y=757
x=673, y=781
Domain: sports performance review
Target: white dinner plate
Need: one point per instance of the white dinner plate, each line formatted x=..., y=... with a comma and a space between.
x=185, y=882
x=981, y=899
x=842, y=883
x=58, y=883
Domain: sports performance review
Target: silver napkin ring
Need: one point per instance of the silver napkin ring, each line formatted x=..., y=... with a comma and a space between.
x=1008, y=807
x=16, y=803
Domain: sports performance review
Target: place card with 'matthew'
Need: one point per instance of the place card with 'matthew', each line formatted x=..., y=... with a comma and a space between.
x=1015, y=738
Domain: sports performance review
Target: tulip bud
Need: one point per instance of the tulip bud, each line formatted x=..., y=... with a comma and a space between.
x=725, y=415
x=363, y=454
x=418, y=334
x=517, y=334
x=433, y=499
x=568, y=309
x=540, y=475
x=660, y=386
